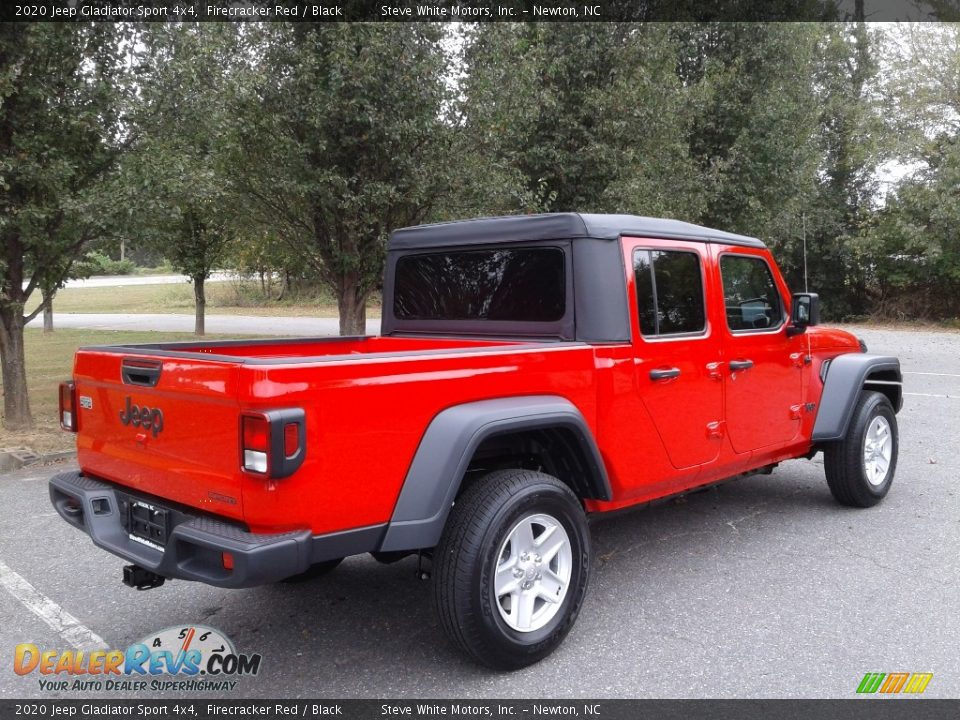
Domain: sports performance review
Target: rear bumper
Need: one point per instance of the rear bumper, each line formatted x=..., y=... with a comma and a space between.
x=196, y=543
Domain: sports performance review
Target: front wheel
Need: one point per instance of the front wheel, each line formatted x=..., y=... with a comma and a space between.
x=511, y=570
x=861, y=466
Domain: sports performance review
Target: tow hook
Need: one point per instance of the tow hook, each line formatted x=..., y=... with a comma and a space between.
x=140, y=578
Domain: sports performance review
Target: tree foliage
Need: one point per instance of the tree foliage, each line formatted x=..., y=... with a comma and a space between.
x=60, y=134
x=586, y=117
x=179, y=192
x=342, y=140
x=293, y=150
x=911, y=247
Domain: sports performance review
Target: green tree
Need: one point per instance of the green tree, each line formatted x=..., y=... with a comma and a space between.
x=340, y=139
x=912, y=245
x=175, y=171
x=851, y=141
x=576, y=116
x=751, y=96
x=60, y=137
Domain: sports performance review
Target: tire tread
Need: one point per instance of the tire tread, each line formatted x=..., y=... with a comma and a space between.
x=463, y=537
x=843, y=461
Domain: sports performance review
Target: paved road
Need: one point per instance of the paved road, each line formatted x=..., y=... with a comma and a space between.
x=223, y=324
x=98, y=281
x=763, y=587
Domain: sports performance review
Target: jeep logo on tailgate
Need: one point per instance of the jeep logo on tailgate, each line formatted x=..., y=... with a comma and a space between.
x=143, y=417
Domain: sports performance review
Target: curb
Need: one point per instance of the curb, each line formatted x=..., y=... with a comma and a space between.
x=54, y=457
x=14, y=458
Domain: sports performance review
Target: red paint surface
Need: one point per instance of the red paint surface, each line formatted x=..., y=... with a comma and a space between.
x=367, y=409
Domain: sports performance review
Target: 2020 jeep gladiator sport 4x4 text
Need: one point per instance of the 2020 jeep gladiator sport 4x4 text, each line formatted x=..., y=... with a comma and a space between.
x=531, y=370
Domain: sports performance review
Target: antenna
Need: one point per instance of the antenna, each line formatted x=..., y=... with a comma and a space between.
x=806, y=285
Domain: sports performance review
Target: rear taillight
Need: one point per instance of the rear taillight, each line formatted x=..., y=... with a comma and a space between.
x=256, y=443
x=68, y=406
x=273, y=442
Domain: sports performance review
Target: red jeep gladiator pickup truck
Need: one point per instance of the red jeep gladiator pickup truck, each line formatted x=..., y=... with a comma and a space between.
x=531, y=371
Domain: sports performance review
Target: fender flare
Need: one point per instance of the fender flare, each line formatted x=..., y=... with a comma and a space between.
x=846, y=376
x=447, y=447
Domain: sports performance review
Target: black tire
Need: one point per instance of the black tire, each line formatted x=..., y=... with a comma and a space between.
x=465, y=562
x=844, y=461
x=314, y=571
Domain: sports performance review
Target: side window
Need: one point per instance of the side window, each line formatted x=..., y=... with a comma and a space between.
x=669, y=292
x=750, y=295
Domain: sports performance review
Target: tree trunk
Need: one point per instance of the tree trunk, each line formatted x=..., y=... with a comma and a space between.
x=353, y=308
x=16, y=404
x=47, y=313
x=201, y=300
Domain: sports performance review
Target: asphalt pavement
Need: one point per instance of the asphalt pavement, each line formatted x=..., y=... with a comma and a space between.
x=97, y=281
x=762, y=587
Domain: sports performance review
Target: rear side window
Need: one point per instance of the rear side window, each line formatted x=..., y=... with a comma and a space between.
x=750, y=294
x=516, y=285
x=669, y=292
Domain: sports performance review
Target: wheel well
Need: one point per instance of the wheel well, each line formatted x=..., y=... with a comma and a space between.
x=888, y=382
x=557, y=451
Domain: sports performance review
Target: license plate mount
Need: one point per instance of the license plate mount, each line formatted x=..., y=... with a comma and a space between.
x=148, y=522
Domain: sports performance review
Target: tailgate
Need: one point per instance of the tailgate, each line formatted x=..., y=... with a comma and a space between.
x=165, y=426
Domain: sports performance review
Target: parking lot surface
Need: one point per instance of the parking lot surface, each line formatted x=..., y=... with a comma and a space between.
x=761, y=587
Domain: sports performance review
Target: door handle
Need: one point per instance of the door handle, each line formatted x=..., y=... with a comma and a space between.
x=666, y=374
x=737, y=365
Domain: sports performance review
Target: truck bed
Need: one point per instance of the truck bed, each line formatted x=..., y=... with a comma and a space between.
x=367, y=401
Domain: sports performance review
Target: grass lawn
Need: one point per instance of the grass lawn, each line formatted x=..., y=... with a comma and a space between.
x=231, y=297
x=49, y=362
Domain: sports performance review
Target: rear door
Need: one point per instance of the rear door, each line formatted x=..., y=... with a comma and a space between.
x=675, y=348
x=763, y=379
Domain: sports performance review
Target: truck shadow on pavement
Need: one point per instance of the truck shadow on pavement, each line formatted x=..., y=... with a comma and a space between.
x=337, y=634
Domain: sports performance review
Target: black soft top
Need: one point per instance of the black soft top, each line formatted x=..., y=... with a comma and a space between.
x=557, y=226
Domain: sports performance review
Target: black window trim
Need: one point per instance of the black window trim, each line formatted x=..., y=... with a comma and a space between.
x=783, y=307
x=700, y=334
x=561, y=329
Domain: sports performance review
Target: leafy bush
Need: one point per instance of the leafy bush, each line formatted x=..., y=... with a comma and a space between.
x=96, y=263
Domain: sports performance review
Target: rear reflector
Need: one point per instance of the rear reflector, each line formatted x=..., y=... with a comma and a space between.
x=68, y=410
x=291, y=439
x=228, y=561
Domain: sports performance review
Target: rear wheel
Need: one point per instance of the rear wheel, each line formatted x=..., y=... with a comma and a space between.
x=860, y=468
x=511, y=570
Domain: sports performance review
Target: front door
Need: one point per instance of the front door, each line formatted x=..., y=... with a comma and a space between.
x=675, y=348
x=763, y=366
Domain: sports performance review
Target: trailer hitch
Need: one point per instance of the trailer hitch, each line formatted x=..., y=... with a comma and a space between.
x=140, y=578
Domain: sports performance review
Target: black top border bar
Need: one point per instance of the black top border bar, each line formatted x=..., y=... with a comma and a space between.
x=479, y=10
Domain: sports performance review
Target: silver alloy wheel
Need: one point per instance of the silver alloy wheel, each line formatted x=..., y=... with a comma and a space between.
x=533, y=572
x=877, y=450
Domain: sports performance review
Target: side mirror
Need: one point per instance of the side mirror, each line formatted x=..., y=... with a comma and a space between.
x=804, y=313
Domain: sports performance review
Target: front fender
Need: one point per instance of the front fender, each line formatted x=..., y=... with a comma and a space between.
x=847, y=375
